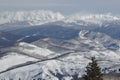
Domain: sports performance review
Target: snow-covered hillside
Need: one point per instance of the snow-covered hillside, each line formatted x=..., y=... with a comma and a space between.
x=22, y=53
x=13, y=59
x=68, y=57
x=46, y=45
x=61, y=59
x=29, y=49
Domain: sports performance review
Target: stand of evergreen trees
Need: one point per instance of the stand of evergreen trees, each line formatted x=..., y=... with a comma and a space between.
x=93, y=71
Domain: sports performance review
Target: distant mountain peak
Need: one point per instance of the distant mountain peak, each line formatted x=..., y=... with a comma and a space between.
x=90, y=19
x=35, y=17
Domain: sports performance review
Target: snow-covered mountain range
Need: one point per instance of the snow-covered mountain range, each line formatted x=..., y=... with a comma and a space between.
x=46, y=45
x=32, y=17
x=39, y=17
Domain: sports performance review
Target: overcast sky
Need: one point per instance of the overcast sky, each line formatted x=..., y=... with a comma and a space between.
x=63, y=6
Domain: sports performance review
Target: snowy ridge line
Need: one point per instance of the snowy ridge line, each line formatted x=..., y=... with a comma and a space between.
x=34, y=62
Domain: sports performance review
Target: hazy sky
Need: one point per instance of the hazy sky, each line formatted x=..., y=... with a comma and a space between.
x=63, y=6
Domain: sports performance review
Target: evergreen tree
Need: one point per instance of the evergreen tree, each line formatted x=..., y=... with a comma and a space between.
x=93, y=71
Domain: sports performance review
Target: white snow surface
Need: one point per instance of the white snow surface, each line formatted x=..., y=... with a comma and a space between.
x=13, y=59
x=32, y=49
